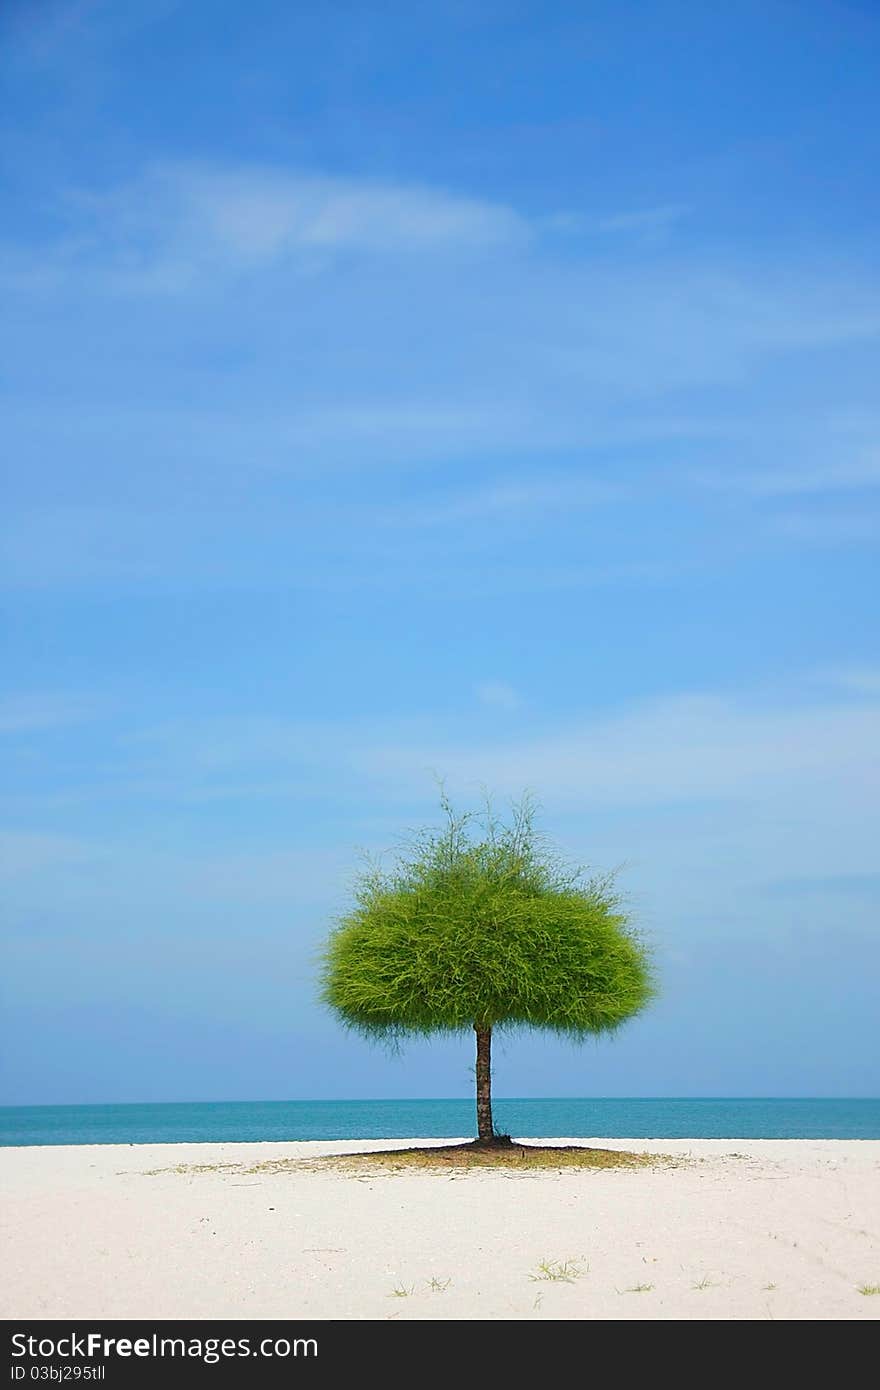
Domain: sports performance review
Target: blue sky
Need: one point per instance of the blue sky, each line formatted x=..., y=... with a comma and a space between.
x=485, y=390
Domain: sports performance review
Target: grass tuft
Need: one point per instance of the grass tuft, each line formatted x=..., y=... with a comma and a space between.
x=558, y=1271
x=869, y=1290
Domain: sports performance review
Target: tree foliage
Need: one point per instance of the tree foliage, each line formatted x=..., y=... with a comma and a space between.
x=484, y=930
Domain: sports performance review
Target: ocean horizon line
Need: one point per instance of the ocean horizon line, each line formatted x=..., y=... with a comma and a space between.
x=585, y=1117
x=440, y=1100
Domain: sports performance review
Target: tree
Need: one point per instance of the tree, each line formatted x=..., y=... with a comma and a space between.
x=480, y=932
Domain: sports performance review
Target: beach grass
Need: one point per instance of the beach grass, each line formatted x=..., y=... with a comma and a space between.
x=558, y=1271
x=464, y=1157
x=445, y=1158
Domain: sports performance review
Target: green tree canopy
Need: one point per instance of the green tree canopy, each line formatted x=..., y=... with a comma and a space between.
x=478, y=931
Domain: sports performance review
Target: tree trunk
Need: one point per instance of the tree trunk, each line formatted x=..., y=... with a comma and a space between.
x=485, y=1128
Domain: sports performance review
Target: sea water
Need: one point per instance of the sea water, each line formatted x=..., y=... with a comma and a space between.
x=585, y=1118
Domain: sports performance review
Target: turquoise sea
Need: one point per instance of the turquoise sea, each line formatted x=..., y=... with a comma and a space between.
x=240, y=1121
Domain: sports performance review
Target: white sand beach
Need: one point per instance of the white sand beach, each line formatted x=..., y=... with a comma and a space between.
x=735, y=1229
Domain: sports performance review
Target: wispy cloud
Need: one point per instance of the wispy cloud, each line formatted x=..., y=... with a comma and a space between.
x=508, y=498
x=65, y=35
x=829, y=527
x=23, y=854
x=861, y=680
x=834, y=475
x=657, y=219
x=317, y=546
x=498, y=695
x=264, y=214
x=769, y=789
x=40, y=34
x=665, y=751
x=807, y=885
x=318, y=323
x=21, y=713
x=178, y=219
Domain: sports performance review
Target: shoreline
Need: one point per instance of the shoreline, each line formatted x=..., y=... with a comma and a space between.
x=640, y=1142
x=738, y=1229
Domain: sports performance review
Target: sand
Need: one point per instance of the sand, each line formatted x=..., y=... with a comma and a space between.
x=732, y=1229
